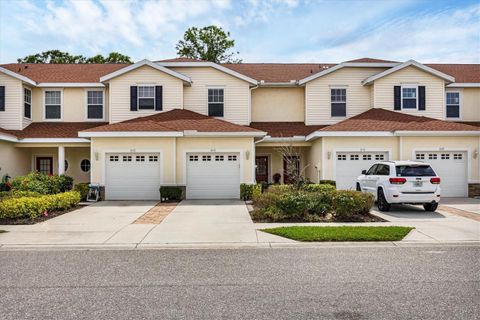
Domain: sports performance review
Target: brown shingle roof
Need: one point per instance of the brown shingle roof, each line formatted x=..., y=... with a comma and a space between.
x=175, y=120
x=181, y=59
x=40, y=72
x=372, y=60
x=285, y=129
x=461, y=72
x=385, y=120
x=53, y=129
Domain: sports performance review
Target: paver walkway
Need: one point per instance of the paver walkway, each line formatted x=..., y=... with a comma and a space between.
x=156, y=214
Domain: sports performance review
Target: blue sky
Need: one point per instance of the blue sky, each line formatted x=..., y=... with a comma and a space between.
x=264, y=31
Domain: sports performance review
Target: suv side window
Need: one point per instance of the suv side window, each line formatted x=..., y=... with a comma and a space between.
x=372, y=170
x=383, y=170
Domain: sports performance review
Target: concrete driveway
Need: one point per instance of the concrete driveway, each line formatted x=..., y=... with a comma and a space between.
x=205, y=221
x=465, y=204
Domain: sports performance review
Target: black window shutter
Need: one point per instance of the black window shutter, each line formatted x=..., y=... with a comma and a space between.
x=158, y=98
x=2, y=98
x=133, y=98
x=397, y=102
x=421, y=97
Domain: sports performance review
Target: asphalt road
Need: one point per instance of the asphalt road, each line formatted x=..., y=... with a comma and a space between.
x=318, y=283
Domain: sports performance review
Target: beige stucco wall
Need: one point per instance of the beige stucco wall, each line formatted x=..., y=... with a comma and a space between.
x=434, y=91
x=470, y=144
x=278, y=104
x=120, y=92
x=317, y=102
x=13, y=161
x=315, y=161
x=74, y=104
x=469, y=103
x=12, y=117
x=237, y=93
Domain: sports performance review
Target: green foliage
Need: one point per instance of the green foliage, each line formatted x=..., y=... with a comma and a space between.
x=57, y=56
x=32, y=207
x=343, y=233
x=313, y=202
x=42, y=183
x=18, y=194
x=248, y=191
x=209, y=43
x=171, y=193
x=82, y=188
x=330, y=182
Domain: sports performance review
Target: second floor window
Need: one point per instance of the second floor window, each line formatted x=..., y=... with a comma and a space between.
x=53, y=105
x=95, y=104
x=27, y=103
x=409, y=97
x=146, y=97
x=216, y=102
x=338, y=98
x=453, y=104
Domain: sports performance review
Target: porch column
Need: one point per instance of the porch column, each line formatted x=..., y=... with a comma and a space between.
x=61, y=160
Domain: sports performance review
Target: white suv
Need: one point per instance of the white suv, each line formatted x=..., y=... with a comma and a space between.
x=401, y=182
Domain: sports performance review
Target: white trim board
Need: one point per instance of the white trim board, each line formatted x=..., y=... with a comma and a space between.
x=70, y=85
x=142, y=63
x=409, y=63
x=17, y=76
x=464, y=85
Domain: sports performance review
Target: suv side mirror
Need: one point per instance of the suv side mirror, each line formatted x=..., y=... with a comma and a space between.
x=364, y=171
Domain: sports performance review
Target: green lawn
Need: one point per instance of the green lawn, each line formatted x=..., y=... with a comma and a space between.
x=342, y=233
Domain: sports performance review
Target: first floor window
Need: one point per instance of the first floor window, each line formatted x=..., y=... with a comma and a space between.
x=338, y=98
x=215, y=102
x=95, y=104
x=85, y=165
x=453, y=104
x=409, y=97
x=27, y=103
x=53, y=105
x=146, y=97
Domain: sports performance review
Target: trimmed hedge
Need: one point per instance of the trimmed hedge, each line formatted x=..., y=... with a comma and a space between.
x=248, y=191
x=82, y=188
x=42, y=183
x=32, y=207
x=312, y=202
x=18, y=194
x=170, y=193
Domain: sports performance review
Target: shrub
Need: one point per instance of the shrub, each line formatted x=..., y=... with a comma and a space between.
x=42, y=183
x=329, y=182
x=319, y=188
x=171, y=193
x=32, y=207
x=247, y=191
x=348, y=203
x=82, y=188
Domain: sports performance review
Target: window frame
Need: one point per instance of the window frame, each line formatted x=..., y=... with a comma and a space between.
x=223, y=103
x=86, y=105
x=409, y=86
x=143, y=85
x=89, y=165
x=44, y=111
x=331, y=102
x=459, y=105
x=29, y=103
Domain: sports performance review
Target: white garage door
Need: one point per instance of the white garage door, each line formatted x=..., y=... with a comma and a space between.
x=132, y=176
x=451, y=167
x=349, y=166
x=213, y=176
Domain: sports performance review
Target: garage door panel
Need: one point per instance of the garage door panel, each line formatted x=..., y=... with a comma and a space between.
x=132, y=176
x=452, y=168
x=213, y=176
x=349, y=166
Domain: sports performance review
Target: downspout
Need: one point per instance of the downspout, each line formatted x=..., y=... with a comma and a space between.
x=250, y=104
x=175, y=160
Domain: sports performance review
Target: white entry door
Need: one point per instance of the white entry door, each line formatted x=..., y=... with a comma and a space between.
x=349, y=165
x=132, y=176
x=213, y=176
x=452, y=168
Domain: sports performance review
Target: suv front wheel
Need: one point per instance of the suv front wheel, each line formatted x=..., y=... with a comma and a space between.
x=382, y=203
x=430, y=206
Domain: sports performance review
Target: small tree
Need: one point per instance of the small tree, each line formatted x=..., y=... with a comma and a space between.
x=293, y=169
x=209, y=43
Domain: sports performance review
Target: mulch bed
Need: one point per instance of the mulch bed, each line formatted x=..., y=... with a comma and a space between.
x=26, y=221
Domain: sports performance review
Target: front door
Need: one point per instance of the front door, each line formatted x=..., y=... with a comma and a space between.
x=291, y=166
x=261, y=171
x=44, y=165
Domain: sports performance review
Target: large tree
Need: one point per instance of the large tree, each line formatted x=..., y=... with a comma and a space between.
x=57, y=56
x=209, y=43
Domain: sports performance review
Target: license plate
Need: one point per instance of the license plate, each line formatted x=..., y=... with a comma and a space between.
x=417, y=183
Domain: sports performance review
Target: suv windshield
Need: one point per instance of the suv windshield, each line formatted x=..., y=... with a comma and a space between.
x=415, y=171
